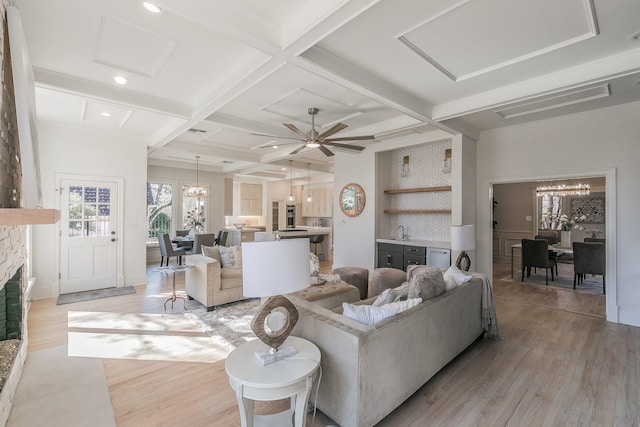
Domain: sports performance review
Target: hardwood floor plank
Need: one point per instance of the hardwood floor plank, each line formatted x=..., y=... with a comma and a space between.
x=559, y=363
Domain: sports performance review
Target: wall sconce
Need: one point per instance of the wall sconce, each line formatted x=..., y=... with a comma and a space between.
x=405, y=167
x=447, y=161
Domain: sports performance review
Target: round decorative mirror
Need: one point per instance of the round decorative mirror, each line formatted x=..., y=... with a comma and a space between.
x=352, y=199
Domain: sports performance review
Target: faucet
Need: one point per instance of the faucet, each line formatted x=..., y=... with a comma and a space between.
x=404, y=235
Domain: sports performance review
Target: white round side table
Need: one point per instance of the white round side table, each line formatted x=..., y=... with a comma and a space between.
x=291, y=377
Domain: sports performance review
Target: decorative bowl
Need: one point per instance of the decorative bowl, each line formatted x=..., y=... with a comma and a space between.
x=239, y=225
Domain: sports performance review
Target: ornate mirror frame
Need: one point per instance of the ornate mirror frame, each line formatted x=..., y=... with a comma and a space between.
x=352, y=199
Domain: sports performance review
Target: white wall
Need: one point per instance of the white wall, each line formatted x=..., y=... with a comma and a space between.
x=77, y=151
x=582, y=144
x=355, y=238
x=214, y=219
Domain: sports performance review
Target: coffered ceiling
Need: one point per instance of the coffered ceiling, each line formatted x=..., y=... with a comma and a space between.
x=204, y=77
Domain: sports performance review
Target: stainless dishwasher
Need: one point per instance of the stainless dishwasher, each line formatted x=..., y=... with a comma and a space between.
x=438, y=257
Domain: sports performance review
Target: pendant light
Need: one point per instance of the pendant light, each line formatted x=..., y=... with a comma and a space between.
x=196, y=191
x=291, y=198
x=309, y=198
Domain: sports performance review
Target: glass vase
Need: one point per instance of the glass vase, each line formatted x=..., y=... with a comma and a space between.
x=565, y=239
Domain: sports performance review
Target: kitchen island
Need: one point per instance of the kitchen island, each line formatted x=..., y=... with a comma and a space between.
x=298, y=232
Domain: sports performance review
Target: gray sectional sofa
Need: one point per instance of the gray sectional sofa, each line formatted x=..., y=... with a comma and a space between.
x=368, y=371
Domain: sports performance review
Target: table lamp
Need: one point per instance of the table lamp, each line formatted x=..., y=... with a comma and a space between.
x=463, y=238
x=270, y=269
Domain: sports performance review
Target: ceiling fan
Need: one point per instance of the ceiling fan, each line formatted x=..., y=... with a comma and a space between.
x=313, y=139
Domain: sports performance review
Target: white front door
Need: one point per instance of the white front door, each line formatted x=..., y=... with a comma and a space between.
x=88, y=235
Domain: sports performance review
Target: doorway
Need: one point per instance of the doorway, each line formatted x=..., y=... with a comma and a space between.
x=90, y=247
x=519, y=212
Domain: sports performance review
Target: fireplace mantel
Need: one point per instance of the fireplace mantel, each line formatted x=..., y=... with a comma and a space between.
x=22, y=216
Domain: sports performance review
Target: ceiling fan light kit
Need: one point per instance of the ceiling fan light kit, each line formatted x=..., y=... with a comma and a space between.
x=314, y=139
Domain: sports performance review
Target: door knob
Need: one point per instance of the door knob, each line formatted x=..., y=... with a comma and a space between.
x=113, y=239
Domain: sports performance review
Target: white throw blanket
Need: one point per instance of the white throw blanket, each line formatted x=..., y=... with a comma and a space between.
x=489, y=319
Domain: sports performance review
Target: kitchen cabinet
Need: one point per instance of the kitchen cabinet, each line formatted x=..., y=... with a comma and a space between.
x=402, y=255
x=390, y=255
x=250, y=199
x=321, y=204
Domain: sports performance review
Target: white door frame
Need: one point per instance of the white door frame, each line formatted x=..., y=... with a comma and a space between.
x=613, y=310
x=59, y=177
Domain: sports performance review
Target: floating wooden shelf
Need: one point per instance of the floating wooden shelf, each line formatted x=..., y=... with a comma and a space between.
x=417, y=211
x=418, y=190
x=22, y=216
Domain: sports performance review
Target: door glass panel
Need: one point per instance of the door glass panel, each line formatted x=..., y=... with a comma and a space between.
x=90, y=194
x=89, y=211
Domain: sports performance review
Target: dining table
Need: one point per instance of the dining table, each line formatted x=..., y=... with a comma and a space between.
x=559, y=250
x=183, y=241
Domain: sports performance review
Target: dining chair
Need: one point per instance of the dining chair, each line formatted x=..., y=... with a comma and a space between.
x=201, y=240
x=595, y=239
x=535, y=253
x=589, y=258
x=552, y=239
x=223, y=238
x=167, y=249
x=182, y=233
x=217, y=241
x=316, y=241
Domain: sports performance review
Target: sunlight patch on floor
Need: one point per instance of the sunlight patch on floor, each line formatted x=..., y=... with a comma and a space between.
x=140, y=336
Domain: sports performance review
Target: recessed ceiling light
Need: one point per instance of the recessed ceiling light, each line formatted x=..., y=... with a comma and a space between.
x=151, y=7
x=121, y=80
x=275, y=146
x=105, y=114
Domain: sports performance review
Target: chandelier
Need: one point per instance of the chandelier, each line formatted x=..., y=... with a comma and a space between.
x=197, y=190
x=563, y=190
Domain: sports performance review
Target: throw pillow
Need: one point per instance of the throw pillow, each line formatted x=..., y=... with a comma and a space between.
x=212, y=252
x=226, y=256
x=367, y=314
x=236, y=255
x=449, y=282
x=392, y=294
x=425, y=282
x=458, y=275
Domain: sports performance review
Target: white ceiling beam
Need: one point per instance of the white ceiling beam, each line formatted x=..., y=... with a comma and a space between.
x=328, y=65
x=107, y=93
x=603, y=69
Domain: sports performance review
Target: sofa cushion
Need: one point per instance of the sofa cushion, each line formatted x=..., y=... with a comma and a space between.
x=212, y=252
x=425, y=282
x=230, y=277
x=367, y=314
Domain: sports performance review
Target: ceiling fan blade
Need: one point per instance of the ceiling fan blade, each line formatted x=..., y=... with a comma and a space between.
x=276, y=144
x=336, y=128
x=299, y=149
x=278, y=137
x=353, y=138
x=325, y=150
x=293, y=128
x=337, y=144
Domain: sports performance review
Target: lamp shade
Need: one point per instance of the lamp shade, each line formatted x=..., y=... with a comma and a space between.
x=275, y=267
x=463, y=237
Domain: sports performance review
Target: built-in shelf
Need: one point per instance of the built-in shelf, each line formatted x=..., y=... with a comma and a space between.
x=417, y=190
x=21, y=216
x=417, y=211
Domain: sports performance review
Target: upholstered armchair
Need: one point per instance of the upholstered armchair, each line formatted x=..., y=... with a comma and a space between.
x=211, y=284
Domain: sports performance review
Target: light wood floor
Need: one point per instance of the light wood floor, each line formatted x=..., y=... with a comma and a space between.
x=559, y=363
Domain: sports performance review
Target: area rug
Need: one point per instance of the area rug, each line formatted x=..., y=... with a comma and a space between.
x=229, y=325
x=590, y=285
x=96, y=294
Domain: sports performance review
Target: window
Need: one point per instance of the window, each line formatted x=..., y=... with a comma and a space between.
x=89, y=211
x=159, y=210
x=550, y=211
x=193, y=212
